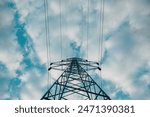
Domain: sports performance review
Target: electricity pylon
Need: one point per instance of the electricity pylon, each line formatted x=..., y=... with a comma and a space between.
x=75, y=82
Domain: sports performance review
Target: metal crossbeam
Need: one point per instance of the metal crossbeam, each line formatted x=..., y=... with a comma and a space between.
x=75, y=82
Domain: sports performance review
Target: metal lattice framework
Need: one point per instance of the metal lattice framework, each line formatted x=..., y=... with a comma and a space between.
x=75, y=82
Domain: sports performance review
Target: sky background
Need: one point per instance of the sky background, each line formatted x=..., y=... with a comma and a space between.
x=23, y=55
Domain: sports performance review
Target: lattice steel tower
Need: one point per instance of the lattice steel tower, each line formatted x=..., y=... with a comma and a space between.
x=75, y=82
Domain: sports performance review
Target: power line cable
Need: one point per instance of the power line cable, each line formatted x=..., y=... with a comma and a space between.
x=48, y=30
x=49, y=40
x=82, y=30
x=99, y=30
x=102, y=28
x=47, y=45
x=88, y=5
x=102, y=35
x=60, y=26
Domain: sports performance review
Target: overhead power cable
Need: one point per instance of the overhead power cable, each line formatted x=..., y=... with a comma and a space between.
x=47, y=39
x=60, y=28
x=88, y=10
x=102, y=29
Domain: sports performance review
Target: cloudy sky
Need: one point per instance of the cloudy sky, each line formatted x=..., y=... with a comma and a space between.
x=23, y=54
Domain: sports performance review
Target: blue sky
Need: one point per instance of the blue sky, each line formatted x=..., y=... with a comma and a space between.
x=126, y=58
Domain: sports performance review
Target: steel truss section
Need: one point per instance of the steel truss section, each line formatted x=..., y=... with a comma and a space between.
x=75, y=82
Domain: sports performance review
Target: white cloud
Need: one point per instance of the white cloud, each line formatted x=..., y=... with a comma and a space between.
x=34, y=84
x=10, y=54
x=128, y=47
x=124, y=57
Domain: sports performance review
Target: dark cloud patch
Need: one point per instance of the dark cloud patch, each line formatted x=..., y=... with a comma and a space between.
x=120, y=95
x=14, y=88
